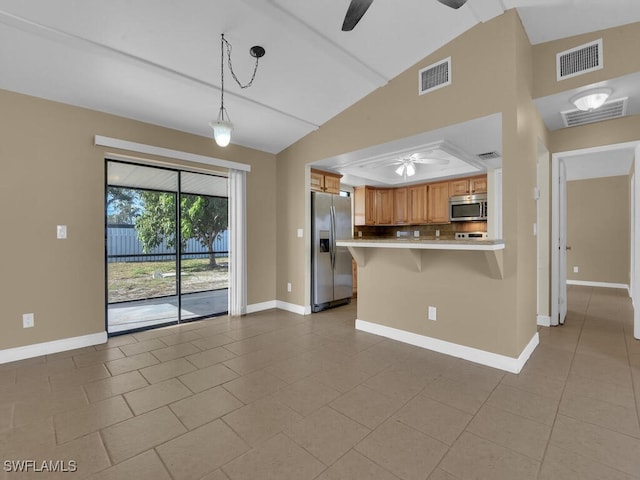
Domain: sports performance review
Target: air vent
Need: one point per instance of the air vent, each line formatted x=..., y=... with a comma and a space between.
x=613, y=109
x=579, y=60
x=488, y=155
x=434, y=76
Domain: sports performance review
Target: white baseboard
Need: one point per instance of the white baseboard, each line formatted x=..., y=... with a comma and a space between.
x=55, y=346
x=259, y=307
x=599, y=284
x=291, y=307
x=495, y=360
x=544, y=320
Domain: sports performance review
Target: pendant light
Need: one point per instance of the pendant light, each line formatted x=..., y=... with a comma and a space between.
x=222, y=128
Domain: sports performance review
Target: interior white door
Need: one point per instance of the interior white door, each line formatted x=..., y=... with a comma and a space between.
x=562, y=263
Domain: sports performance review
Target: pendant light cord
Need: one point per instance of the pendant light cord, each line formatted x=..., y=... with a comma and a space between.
x=222, y=78
x=233, y=74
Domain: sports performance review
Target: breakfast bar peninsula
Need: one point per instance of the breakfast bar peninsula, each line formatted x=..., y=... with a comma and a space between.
x=443, y=295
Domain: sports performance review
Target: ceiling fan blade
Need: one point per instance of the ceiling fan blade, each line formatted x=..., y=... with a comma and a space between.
x=357, y=9
x=431, y=161
x=453, y=3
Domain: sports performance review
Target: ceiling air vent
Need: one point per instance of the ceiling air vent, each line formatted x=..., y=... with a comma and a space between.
x=612, y=109
x=434, y=76
x=579, y=60
x=489, y=155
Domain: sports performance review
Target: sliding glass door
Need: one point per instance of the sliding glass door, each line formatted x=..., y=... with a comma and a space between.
x=204, y=255
x=159, y=274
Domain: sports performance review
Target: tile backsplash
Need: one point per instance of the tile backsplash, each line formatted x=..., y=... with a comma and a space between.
x=447, y=230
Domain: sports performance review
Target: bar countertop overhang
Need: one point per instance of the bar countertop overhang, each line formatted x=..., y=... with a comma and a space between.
x=422, y=244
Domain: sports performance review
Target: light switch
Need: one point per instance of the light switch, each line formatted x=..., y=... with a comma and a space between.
x=300, y=232
x=61, y=231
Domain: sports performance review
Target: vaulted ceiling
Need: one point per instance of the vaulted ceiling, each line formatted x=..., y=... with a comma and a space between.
x=158, y=61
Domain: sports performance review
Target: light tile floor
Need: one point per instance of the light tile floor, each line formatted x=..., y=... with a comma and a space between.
x=278, y=396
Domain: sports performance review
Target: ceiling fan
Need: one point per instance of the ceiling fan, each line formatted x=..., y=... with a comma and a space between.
x=357, y=9
x=407, y=165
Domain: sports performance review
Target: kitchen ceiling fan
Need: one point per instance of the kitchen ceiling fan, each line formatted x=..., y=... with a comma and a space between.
x=407, y=165
x=357, y=9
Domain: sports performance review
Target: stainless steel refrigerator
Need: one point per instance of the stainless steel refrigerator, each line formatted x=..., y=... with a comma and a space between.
x=331, y=274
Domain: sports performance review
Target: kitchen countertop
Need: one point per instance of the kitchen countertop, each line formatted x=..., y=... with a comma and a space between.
x=423, y=243
x=361, y=248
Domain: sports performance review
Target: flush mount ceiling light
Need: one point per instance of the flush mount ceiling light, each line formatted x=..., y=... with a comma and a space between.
x=223, y=127
x=591, y=99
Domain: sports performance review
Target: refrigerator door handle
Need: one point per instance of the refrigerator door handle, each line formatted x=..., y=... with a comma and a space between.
x=332, y=240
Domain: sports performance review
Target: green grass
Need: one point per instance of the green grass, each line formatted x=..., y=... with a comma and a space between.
x=142, y=280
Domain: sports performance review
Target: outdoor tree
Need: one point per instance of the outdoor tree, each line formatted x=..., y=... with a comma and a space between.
x=121, y=205
x=203, y=218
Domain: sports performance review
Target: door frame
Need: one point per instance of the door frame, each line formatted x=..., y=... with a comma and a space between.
x=634, y=267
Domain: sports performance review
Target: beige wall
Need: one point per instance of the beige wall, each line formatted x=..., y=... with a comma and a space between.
x=491, y=72
x=617, y=43
x=53, y=174
x=598, y=230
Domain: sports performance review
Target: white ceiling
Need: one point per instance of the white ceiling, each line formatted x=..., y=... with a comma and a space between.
x=613, y=162
x=464, y=141
x=158, y=61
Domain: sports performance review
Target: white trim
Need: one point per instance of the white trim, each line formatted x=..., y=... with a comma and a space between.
x=598, y=284
x=544, y=320
x=291, y=307
x=259, y=307
x=55, y=346
x=495, y=360
x=167, y=153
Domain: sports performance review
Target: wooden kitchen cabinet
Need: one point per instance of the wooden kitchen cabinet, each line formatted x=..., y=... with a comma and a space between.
x=438, y=202
x=364, y=206
x=478, y=184
x=400, y=206
x=332, y=183
x=417, y=204
x=466, y=186
x=326, y=182
x=384, y=206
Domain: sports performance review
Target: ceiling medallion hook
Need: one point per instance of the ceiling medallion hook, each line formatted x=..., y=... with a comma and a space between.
x=223, y=127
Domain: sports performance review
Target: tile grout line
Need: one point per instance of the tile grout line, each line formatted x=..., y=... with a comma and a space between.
x=564, y=386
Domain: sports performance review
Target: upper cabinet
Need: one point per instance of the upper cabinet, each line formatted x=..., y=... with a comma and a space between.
x=326, y=182
x=467, y=186
x=438, y=203
x=364, y=206
x=384, y=206
x=400, y=206
x=413, y=205
x=417, y=204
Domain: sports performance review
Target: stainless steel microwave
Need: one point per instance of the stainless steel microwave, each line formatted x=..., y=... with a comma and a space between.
x=465, y=208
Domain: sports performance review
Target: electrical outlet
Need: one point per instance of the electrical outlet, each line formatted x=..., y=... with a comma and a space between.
x=437, y=233
x=432, y=313
x=289, y=287
x=300, y=232
x=28, y=320
x=416, y=233
x=360, y=234
x=576, y=269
